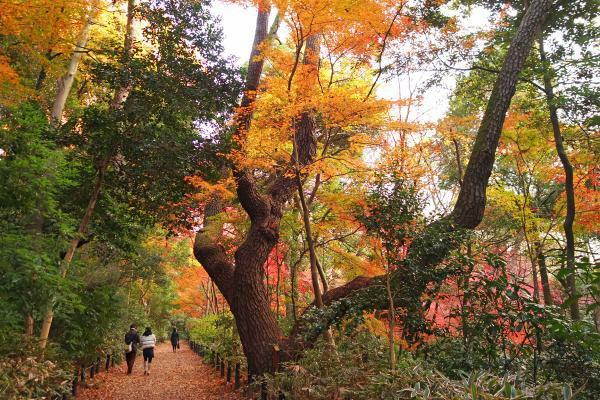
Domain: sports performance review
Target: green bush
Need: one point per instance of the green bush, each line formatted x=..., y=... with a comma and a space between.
x=218, y=333
x=358, y=369
x=27, y=374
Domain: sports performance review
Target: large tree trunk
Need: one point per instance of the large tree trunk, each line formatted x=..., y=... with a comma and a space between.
x=569, y=189
x=240, y=281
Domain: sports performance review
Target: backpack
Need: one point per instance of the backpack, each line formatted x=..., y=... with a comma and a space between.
x=128, y=344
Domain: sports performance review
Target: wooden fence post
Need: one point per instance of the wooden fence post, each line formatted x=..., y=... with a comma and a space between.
x=107, y=364
x=228, y=371
x=92, y=371
x=222, y=368
x=75, y=383
x=263, y=390
x=276, y=358
x=98, y=364
x=82, y=373
x=236, y=376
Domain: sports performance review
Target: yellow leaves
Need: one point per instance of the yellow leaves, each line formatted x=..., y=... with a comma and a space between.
x=38, y=35
x=225, y=188
x=7, y=74
x=11, y=91
x=44, y=25
x=337, y=105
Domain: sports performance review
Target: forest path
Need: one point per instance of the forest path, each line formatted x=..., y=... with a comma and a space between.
x=180, y=375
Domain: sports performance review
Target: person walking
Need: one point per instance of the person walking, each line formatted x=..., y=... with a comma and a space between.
x=175, y=340
x=132, y=339
x=148, y=341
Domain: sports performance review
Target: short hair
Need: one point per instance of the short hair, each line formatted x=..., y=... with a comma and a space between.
x=133, y=326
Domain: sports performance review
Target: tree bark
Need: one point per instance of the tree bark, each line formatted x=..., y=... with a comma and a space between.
x=470, y=205
x=569, y=189
x=66, y=82
x=312, y=49
x=240, y=281
x=123, y=90
x=29, y=324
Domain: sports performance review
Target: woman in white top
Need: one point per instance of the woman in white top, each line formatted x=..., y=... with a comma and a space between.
x=148, y=341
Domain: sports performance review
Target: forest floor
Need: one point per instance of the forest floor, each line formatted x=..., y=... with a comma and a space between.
x=181, y=375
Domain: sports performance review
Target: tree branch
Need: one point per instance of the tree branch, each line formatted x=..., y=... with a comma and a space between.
x=433, y=245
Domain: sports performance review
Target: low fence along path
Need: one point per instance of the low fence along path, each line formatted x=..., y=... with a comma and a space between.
x=181, y=375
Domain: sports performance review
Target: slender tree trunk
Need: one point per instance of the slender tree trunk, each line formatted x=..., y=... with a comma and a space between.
x=29, y=324
x=66, y=261
x=391, y=317
x=322, y=275
x=311, y=56
x=314, y=274
x=533, y=260
x=569, y=188
x=39, y=83
x=277, y=282
x=294, y=290
x=120, y=96
x=66, y=82
x=123, y=90
x=541, y=259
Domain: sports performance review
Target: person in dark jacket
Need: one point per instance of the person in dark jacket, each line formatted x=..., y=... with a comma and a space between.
x=132, y=339
x=175, y=339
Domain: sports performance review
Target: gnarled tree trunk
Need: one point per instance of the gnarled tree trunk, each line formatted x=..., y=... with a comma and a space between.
x=240, y=280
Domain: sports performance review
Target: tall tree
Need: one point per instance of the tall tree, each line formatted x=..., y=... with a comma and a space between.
x=241, y=281
x=117, y=102
x=569, y=185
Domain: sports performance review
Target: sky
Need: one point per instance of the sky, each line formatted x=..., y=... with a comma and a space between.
x=238, y=28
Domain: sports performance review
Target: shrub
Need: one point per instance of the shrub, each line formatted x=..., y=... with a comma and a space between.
x=358, y=369
x=27, y=374
x=218, y=333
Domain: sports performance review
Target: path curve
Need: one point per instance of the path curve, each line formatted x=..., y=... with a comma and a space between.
x=181, y=375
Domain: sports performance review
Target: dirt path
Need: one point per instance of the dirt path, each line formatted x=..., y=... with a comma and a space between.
x=173, y=376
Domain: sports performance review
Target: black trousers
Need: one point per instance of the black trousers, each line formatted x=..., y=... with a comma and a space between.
x=130, y=358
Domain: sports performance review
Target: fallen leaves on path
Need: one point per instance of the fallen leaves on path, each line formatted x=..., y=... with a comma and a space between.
x=182, y=375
